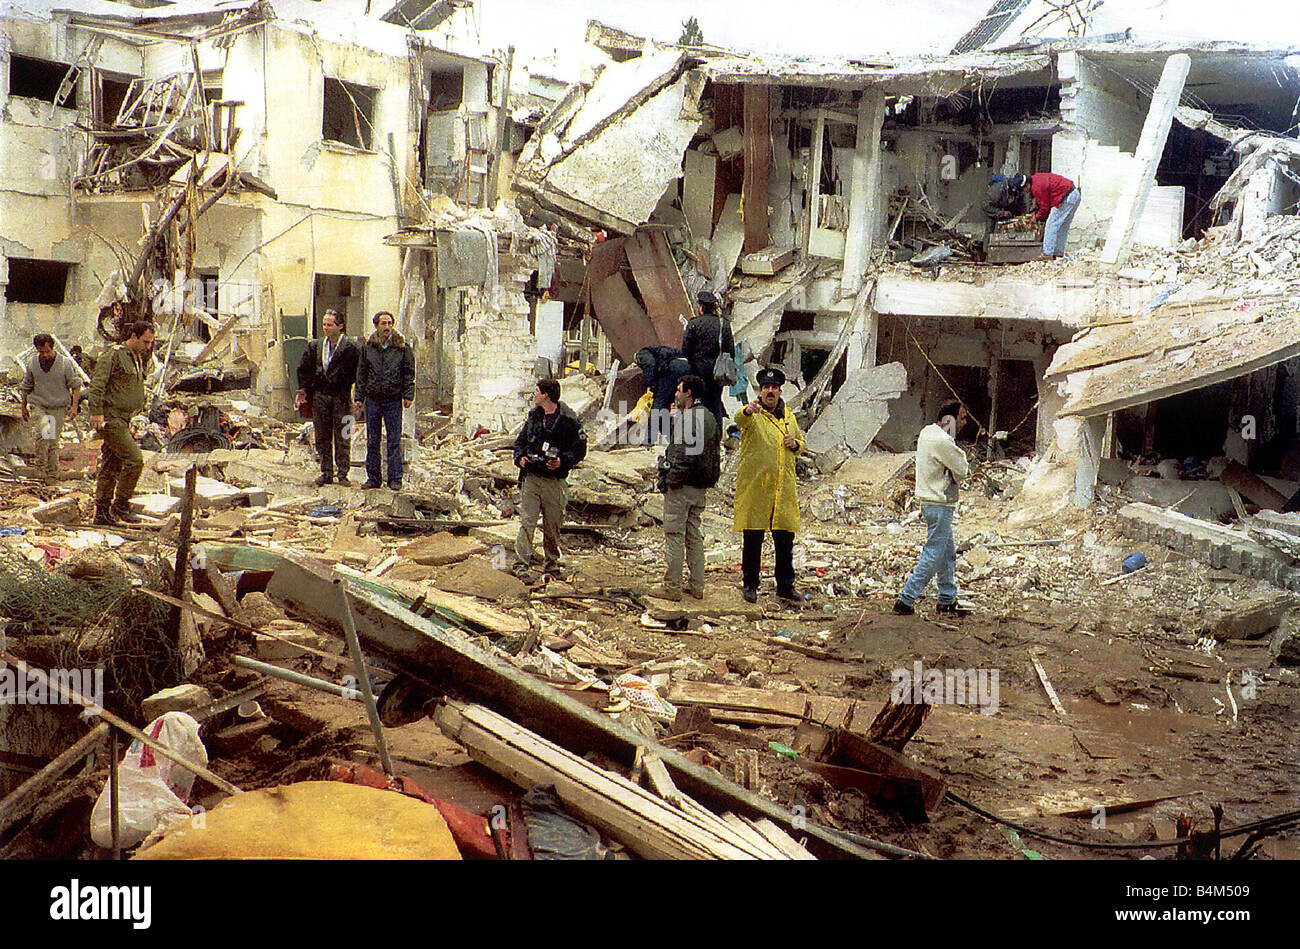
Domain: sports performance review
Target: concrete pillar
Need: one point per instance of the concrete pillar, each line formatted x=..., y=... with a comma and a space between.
x=1011, y=162
x=864, y=195
x=861, y=349
x=1050, y=402
x=1155, y=131
x=1088, y=458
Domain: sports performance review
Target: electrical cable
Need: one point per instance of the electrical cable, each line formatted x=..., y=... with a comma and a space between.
x=1269, y=823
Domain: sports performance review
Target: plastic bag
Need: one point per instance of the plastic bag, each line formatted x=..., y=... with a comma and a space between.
x=151, y=789
x=641, y=694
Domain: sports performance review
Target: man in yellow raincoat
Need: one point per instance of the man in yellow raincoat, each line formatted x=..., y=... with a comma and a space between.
x=766, y=490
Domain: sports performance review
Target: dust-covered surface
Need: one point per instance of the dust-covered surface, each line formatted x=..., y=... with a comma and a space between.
x=1153, y=705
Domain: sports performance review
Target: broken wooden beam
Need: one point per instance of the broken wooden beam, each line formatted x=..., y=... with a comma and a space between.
x=449, y=660
x=1237, y=477
x=24, y=798
x=652, y=828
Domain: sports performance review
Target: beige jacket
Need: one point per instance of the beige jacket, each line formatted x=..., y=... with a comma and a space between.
x=940, y=465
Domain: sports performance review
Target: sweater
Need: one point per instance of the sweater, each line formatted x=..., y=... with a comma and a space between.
x=50, y=390
x=1049, y=191
x=940, y=465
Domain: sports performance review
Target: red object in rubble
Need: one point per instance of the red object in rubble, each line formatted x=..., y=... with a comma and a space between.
x=473, y=834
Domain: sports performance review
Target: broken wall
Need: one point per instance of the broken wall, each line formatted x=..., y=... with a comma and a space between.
x=496, y=352
x=39, y=156
x=937, y=353
x=1103, y=117
x=336, y=202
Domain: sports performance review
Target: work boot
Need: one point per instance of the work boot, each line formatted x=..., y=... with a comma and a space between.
x=662, y=593
x=696, y=594
x=750, y=594
x=903, y=609
x=104, y=518
x=370, y=486
x=954, y=609
x=323, y=480
x=343, y=480
x=126, y=515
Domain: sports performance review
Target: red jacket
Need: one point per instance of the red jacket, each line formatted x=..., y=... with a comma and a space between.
x=1049, y=190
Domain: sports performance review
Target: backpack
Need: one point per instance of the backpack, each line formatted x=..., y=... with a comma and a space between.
x=725, y=372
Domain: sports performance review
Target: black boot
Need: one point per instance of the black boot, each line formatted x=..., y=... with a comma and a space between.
x=104, y=518
x=126, y=515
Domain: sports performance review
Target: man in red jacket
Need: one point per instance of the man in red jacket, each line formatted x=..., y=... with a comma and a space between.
x=1057, y=198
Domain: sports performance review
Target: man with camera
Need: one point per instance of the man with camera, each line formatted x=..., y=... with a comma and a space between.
x=548, y=447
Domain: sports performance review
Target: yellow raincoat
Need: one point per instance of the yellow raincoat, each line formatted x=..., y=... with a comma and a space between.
x=766, y=490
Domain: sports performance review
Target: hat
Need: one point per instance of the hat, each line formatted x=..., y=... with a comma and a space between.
x=1017, y=182
x=706, y=298
x=773, y=377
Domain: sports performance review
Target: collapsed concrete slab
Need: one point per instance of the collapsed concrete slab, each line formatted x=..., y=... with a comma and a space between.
x=1221, y=547
x=858, y=410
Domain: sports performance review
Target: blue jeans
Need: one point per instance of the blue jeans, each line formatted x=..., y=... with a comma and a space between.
x=390, y=414
x=938, y=556
x=1058, y=224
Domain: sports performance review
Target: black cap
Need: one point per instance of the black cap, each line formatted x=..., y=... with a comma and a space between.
x=706, y=298
x=770, y=377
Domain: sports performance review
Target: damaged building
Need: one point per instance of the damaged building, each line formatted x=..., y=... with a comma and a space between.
x=158, y=156
x=839, y=205
x=364, y=673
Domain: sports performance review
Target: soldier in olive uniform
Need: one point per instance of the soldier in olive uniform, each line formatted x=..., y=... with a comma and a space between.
x=117, y=394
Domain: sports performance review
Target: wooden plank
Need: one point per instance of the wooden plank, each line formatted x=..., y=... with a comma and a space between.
x=1047, y=687
x=622, y=318
x=646, y=825
x=1242, y=481
x=464, y=607
x=656, y=275
x=733, y=703
x=753, y=837
x=758, y=165
x=780, y=839
x=854, y=751
x=660, y=779
x=24, y=798
x=447, y=660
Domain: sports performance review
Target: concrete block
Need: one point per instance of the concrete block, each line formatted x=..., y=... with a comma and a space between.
x=271, y=649
x=64, y=510
x=181, y=698
x=210, y=494
x=1253, y=618
x=155, y=505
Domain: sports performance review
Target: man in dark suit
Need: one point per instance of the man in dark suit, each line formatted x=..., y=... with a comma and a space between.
x=705, y=337
x=326, y=373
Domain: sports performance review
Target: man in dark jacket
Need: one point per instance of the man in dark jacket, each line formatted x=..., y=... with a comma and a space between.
x=1003, y=200
x=326, y=372
x=385, y=386
x=689, y=468
x=705, y=337
x=547, y=448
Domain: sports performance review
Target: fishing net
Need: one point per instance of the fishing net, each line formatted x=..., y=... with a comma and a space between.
x=98, y=622
x=47, y=600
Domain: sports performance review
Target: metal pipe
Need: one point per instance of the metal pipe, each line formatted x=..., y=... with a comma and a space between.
x=354, y=646
x=288, y=675
x=114, y=799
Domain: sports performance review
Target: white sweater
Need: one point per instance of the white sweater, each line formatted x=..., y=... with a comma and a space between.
x=940, y=465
